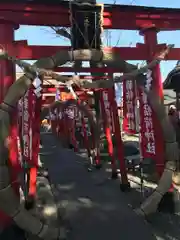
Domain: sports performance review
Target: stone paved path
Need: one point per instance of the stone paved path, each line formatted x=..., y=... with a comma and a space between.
x=94, y=210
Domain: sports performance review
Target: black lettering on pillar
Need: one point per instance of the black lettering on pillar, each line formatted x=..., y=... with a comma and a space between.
x=86, y=26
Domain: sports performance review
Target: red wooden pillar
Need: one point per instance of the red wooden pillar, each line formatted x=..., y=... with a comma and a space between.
x=125, y=185
x=107, y=123
x=150, y=40
x=7, y=77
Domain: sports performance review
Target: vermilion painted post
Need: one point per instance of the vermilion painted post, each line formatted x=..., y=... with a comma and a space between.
x=7, y=77
x=107, y=123
x=119, y=144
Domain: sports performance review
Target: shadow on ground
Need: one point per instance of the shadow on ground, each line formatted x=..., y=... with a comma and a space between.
x=93, y=204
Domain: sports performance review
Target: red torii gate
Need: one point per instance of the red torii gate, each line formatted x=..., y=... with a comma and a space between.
x=148, y=20
x=56, y=13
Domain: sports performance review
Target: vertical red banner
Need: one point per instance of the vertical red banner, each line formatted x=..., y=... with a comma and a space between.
x=112, y=125
x=107, y=123
x=28, y=134
x=106, y=108
x=19, y=137
x=26, y=127
x=150, y=130
x=70, y=113
x=20, y=114
x=61, y=124
x=35, y=141
x=148, y=143
x=31, y=105
x=129, y=105
x=52, y=120
x=56, y=121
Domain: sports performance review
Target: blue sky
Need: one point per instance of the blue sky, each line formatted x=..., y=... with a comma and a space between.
x=45, y=36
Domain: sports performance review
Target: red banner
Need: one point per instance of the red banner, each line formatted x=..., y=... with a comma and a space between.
x=31, y=109
x=107, y=108
x=26, y=126
x=60, y=122
x=150, y=129
x=29, y=129
x=148, y=145
x=19, y=137
x=56, y=120
x=70, y=112
x=52, y=118
x=107, y=123
x=35, y=124
x=129, y=104
x=69, y=116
